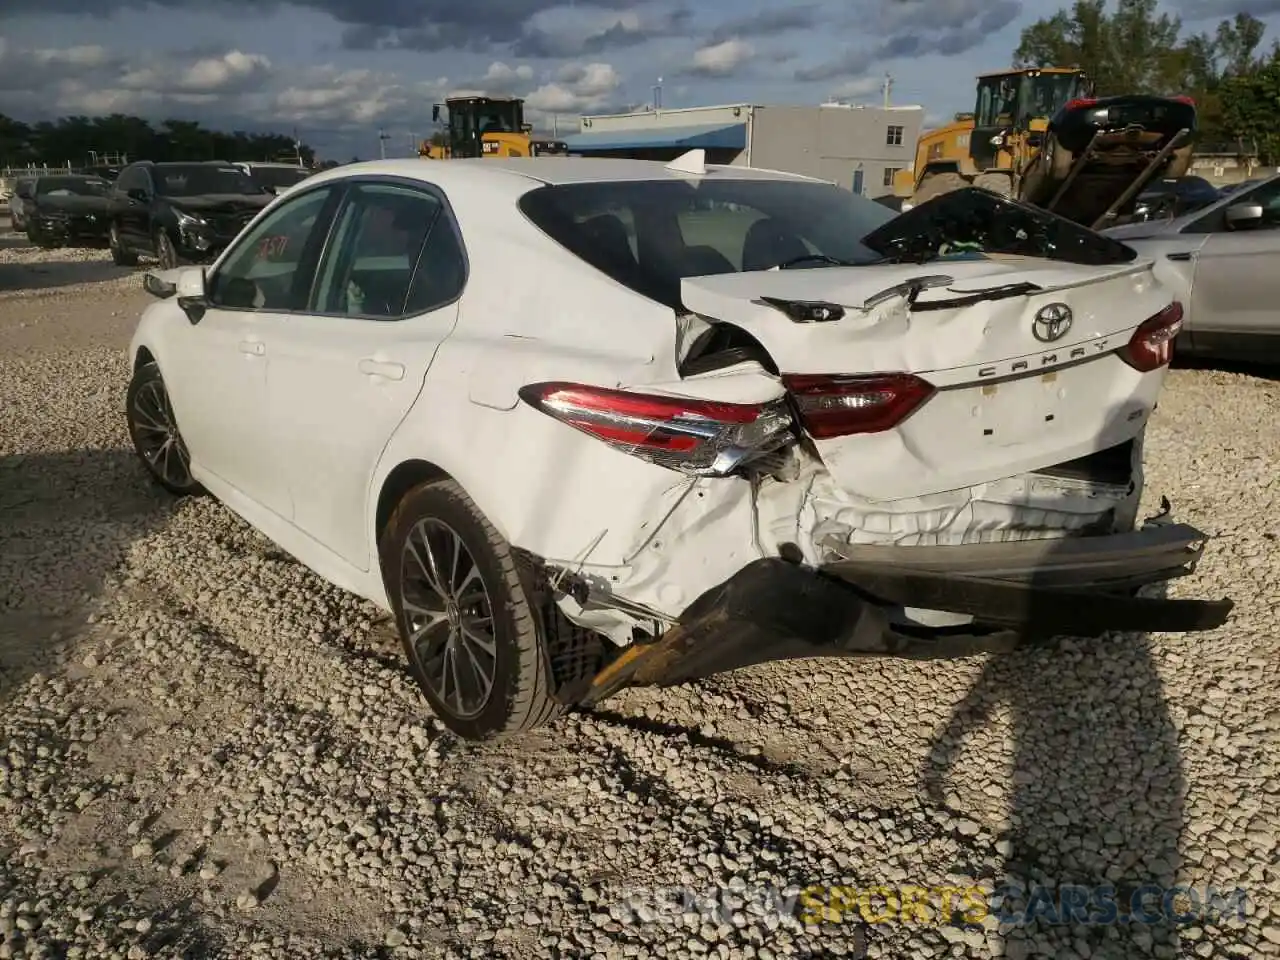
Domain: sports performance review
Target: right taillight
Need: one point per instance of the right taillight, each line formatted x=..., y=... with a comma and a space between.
x=1151, y=346
x=836, y=406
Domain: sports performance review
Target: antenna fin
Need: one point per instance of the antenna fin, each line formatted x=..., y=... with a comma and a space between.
x=693, y=162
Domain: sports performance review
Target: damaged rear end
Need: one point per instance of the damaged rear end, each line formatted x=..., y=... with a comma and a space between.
x=905, y=459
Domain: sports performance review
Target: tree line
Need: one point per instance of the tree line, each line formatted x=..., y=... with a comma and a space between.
x=1138, y=48
x=79, y=140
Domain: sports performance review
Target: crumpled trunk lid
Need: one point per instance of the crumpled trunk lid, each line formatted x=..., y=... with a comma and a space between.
x=1005, y=402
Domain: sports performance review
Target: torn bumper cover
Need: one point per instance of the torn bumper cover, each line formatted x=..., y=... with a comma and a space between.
x=1016, y=593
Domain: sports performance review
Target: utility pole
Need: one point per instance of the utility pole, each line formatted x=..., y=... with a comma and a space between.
x=383, y=137
x=657, y=95
x=887, y=88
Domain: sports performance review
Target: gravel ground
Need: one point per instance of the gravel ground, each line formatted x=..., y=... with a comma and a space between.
x=206, y=751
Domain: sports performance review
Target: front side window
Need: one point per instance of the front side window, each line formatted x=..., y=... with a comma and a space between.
x=1266, y=195
x=376, y=246
x=271, y=266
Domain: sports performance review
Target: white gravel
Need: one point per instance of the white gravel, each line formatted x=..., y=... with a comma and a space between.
x=206, y=751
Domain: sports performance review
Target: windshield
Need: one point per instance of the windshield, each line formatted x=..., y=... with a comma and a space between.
x=1007, y=100
x=1049, y=93
x=71, y=186
x=278, y=176
x=650, y=234
x=997, y=102
x=468, y=122
x=199, y=180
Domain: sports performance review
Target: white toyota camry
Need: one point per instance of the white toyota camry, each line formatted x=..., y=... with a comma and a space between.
x=581, y=424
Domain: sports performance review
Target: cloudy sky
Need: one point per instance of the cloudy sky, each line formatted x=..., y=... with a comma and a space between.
x=339, y=70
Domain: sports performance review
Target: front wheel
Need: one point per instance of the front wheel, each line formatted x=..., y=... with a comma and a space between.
x=166, y=253
x=472, y=636
x=153, y=428
x=119, y=255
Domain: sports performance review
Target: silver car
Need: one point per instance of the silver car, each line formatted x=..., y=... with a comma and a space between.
x=1225, y=261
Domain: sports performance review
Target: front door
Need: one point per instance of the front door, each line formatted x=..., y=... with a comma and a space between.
x=217, y=377
x=348, y=373
x=1237, y=284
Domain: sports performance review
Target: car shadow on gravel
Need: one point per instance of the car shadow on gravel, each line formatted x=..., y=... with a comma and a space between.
x=1096, y=799
x=50, y=274
x=66, y=522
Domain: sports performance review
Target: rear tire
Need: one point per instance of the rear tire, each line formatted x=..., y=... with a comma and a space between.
x=462, y=605
x=998, y=183
x=936, y=184
x=119, y=255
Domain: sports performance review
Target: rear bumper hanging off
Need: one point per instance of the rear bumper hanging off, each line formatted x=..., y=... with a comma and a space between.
x=1016, y=593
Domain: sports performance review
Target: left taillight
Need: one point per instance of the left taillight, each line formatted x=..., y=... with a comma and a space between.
x=833, y=405
x=697, y=437
x=1151, y=346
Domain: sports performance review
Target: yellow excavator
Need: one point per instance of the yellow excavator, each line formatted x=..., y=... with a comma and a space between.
x=487, y=127
x=1041, y=136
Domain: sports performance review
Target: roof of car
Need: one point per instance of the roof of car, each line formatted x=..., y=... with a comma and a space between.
x=551, y=170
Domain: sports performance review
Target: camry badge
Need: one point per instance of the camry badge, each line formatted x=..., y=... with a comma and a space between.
x=1052, y=322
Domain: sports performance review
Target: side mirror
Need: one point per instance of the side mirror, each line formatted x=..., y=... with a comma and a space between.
x=1244, y=215
x=192, y=294
x=139, y=194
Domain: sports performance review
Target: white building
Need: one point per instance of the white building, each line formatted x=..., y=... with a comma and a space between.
x=859, y=147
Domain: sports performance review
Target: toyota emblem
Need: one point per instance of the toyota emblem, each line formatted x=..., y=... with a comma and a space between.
x=1052, y=322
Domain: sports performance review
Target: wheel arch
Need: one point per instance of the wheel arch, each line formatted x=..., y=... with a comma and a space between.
x=403, y=477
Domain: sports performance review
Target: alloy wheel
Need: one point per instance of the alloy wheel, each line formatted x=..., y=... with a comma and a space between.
x=157, y=436
x=449, y=618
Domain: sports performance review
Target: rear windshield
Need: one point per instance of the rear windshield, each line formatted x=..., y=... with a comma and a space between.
x=71, y=186
x=650, y=234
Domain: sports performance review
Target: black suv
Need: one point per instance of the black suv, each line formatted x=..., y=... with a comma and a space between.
x=180, y=212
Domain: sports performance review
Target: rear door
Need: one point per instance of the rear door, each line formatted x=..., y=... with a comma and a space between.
x=343, y=377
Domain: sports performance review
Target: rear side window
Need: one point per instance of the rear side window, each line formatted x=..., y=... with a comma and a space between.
x=648, y=235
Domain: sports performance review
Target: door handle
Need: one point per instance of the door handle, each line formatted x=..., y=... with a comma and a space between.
x=1181, y=257
x=382, y=368
x=254, y=348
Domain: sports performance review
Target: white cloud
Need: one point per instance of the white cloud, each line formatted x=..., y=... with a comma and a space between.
x=218, y=73
x=721, y=59
x=861, y=87
x=576, y=88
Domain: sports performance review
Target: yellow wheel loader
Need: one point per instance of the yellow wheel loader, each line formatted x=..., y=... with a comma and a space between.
x=487, y=127
x=1040, y=136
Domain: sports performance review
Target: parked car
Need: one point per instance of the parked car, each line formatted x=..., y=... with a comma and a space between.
x=275, y=177
x=1221, y=262
x=578, y=430
x=180, y=212
x=1230, y=188
x=18, y=201
x=1166, y=199
x=68, y=211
